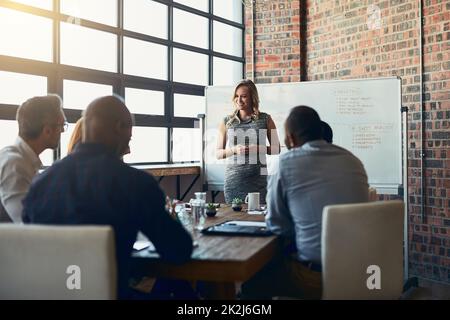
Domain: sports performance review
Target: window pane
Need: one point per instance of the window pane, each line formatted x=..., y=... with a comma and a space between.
x=186, y=105
x=10, y=130
x=145, y=59
x=88, y=48
x=190, y=67
x=148, y=145
x=102, y=11
x=146, y=17
x=228, y=9
x=43, y=4
x=226, y=72
x=18, y=87
x=190, y=29
x=197, y=4
x=187, y=144
x=16, y=39
x=227, y=39
x=47, y=157
x=65, y=138
x=144, y=101
x=77, y=94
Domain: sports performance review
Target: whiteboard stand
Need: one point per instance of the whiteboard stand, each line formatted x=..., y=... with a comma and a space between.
x=202, y=118
x=414, y=281
x=404, y=111
x=205, y=186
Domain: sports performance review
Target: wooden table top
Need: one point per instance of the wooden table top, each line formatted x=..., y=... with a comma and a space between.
x=217, y=258
x=171, y=169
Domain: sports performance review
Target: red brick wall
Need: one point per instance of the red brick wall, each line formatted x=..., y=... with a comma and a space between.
x=277, y=46
x=431, y=256
x=344, y=41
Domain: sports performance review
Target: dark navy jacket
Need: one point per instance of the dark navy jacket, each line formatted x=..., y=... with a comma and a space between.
x=93, y=186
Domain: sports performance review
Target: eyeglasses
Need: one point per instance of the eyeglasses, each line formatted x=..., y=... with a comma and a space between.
x=63, y=125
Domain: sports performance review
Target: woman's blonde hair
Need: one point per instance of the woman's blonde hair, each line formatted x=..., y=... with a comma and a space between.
x=255, y=100
x=75, y=138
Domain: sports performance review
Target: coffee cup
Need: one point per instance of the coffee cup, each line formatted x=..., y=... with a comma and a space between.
x=252, y=199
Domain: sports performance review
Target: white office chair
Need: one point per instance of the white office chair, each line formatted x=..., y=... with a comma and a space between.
x=57, y=262
x=356, y=239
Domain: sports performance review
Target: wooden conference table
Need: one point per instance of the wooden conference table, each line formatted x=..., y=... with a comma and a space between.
x=176, y=170
x=220, y=261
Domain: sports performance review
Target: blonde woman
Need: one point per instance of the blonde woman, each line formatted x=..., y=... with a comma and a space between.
x=239, y=142
x=75, y=138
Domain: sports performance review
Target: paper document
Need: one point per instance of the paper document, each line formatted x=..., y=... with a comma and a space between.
x=247, y=223
x=143, y=244
x=256, y=212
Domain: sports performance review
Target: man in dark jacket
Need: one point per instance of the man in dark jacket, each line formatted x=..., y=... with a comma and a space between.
x=93, y=186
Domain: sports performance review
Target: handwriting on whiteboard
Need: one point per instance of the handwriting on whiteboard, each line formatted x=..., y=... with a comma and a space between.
x=367, y=136
x=349, y=101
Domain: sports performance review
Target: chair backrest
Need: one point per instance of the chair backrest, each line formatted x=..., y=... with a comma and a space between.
x=57, y=262
x=357, y=239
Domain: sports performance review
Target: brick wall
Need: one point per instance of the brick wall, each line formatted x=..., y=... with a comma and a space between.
x=357, y=39
x=277, y=46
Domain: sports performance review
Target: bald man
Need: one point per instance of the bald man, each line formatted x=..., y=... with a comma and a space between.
x=93, y=186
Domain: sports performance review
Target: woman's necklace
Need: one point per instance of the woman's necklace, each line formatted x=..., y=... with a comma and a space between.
x=245, y=118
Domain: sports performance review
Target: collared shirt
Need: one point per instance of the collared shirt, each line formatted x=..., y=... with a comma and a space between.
x=18, y=165
x=93, y=186
x=309, y=178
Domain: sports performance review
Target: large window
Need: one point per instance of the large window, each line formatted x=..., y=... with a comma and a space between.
x=186, y=105
x=18, y=87
x=145, y=59
x=146, y=17
x=141, y=101
x=25, y=35
x=190, y=29
x=88, y=48
x=78, y=94
x=43, y=4
x=158, y=55
x=102, y=11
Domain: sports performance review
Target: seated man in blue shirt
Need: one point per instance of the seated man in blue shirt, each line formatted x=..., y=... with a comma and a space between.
x=93, y=186
x=311, y=175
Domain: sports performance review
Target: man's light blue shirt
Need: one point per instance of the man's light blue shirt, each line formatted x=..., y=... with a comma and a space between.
x=309, y=178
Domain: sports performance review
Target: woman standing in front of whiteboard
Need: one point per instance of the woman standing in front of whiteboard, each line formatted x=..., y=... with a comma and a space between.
x=242, y=141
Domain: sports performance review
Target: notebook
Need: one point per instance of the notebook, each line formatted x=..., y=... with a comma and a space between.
x=245, y=228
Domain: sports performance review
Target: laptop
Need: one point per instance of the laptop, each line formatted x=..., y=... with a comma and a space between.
x=239, y=228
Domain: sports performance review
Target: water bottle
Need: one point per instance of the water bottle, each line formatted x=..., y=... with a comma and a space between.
x=198, y=208
x=202, y=197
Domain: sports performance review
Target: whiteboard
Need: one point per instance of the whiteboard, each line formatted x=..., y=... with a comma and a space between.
x=364, y=114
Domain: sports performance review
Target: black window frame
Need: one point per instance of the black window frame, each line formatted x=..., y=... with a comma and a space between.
x=56, y=73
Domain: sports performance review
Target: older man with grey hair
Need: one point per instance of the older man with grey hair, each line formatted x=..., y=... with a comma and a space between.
x=41, y=121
